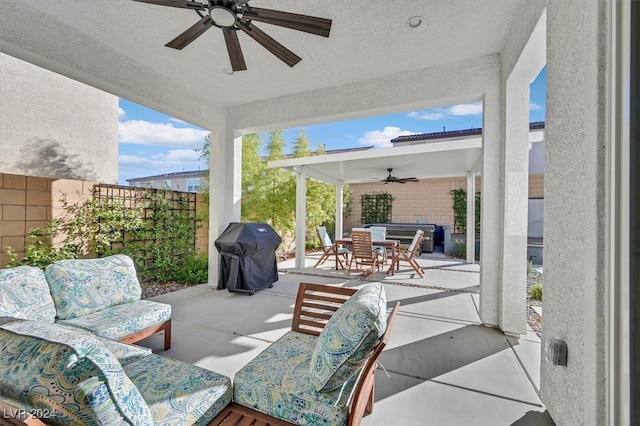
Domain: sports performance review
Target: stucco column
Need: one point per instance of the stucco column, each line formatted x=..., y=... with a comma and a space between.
x=225, y=190
x=339, y=209
x=491, y=209
x=513, y=315
x=575, y=214
x=471, y=217
x=301, y=214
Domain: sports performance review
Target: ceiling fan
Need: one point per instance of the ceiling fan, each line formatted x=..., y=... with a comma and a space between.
x=393, y=179
x=234, y=15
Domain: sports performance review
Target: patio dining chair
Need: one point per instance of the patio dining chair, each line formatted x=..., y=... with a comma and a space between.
x=408, y=254
x=362, y=252
x=379, y=233
x=329, y=248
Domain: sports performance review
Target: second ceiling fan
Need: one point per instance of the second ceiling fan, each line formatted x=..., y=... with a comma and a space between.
x=393, y=179
x=236, y=15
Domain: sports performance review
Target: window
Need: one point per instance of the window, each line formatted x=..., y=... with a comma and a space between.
x=193, y=185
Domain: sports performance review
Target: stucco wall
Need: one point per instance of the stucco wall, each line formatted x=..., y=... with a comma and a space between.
x=575, y=230
x=52, y=126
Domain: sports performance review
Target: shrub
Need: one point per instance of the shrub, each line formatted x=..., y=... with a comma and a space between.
x=536, y=291
x=461, y=249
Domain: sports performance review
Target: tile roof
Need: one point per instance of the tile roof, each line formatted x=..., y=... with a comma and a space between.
x=454, y=133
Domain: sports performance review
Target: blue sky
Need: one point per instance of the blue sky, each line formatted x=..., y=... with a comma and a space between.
x=152, y=143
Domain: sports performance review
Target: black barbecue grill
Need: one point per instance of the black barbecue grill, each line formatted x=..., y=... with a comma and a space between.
x=247, y=257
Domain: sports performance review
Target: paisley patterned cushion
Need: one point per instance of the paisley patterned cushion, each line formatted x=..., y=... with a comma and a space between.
x=119, y=321
x=349, y=338
x=24, y=293
x=124, y=352
x=276, y=383
x=179, y=393
x=69, y=375
x=82, y=286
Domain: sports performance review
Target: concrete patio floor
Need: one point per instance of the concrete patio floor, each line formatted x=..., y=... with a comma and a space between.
x=441, y=367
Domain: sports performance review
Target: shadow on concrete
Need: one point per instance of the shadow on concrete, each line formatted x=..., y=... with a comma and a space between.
x=535, y=418
x=432, y=357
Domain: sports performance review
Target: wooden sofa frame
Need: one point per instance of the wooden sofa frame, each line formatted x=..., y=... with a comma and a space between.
x=150, y=331
x=315, y=304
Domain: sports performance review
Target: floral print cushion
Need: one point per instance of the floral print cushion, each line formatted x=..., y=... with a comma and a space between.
x=119, y=321
x=124, y=352
x=276, y=383
x=178, y=393
x=82, y=286
x=69, y=375
x=24, y=293
x=349, y=337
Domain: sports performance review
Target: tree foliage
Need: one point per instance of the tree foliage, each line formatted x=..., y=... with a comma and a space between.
x=269, y=194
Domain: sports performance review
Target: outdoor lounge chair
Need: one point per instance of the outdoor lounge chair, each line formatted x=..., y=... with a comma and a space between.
x=329, y=248
x=362, y=252
x=408, y=254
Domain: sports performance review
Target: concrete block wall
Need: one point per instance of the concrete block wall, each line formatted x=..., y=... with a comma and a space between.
x=426, y=201
x=536, y=185
x=25, y=203
x=28, y=202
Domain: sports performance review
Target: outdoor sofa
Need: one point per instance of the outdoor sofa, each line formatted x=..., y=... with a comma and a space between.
x=63, y=359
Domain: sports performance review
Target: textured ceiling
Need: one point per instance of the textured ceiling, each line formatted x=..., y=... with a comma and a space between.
x=118, y=45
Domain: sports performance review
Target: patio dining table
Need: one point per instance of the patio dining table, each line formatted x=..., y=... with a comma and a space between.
x=392, y=244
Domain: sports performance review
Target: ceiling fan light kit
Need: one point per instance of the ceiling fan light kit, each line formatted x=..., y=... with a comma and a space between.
x=232, y=16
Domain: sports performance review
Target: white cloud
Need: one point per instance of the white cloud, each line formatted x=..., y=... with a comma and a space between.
x=177, y=120
x=382, y=138
x=534, y=106
x=121, y=113
x=163, y=134
x=473, y=108
x=178, y=155
x=432, y=115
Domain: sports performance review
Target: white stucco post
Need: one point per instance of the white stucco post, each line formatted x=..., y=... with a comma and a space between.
x=575, y=213
x=339, y=209
x=491, y=210
x=225, y=190
x=301, y=214
x=471, y=217
x=516, y=188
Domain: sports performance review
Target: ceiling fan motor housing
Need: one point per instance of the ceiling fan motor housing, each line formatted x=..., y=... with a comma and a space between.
x=224, y=13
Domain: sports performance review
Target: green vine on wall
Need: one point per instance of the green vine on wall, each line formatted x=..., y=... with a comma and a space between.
x=376, y=207
x=460, y=211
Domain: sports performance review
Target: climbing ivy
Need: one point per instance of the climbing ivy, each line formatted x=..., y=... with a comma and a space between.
x=376, y=207
x=460, y=210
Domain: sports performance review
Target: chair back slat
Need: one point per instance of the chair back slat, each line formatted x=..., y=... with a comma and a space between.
x=361, y=245
x=315, y=304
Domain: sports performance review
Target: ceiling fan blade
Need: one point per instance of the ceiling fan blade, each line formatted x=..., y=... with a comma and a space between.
x=284, y=54
x=294, y=21
x=191, y=34
x=184, y=4
x=404, y=180
x=235, y=52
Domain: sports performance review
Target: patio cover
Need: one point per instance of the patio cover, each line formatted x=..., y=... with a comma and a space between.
x=426, y=160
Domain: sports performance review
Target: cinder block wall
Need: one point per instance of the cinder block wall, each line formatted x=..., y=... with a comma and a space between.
x=25, y=203
x=428, y=201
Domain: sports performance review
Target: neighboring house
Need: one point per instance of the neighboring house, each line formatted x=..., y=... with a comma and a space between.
x=430, y=201
x=192, y=181
x=55, y=127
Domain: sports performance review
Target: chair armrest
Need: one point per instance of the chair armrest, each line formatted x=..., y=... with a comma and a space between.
x=315, y=304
